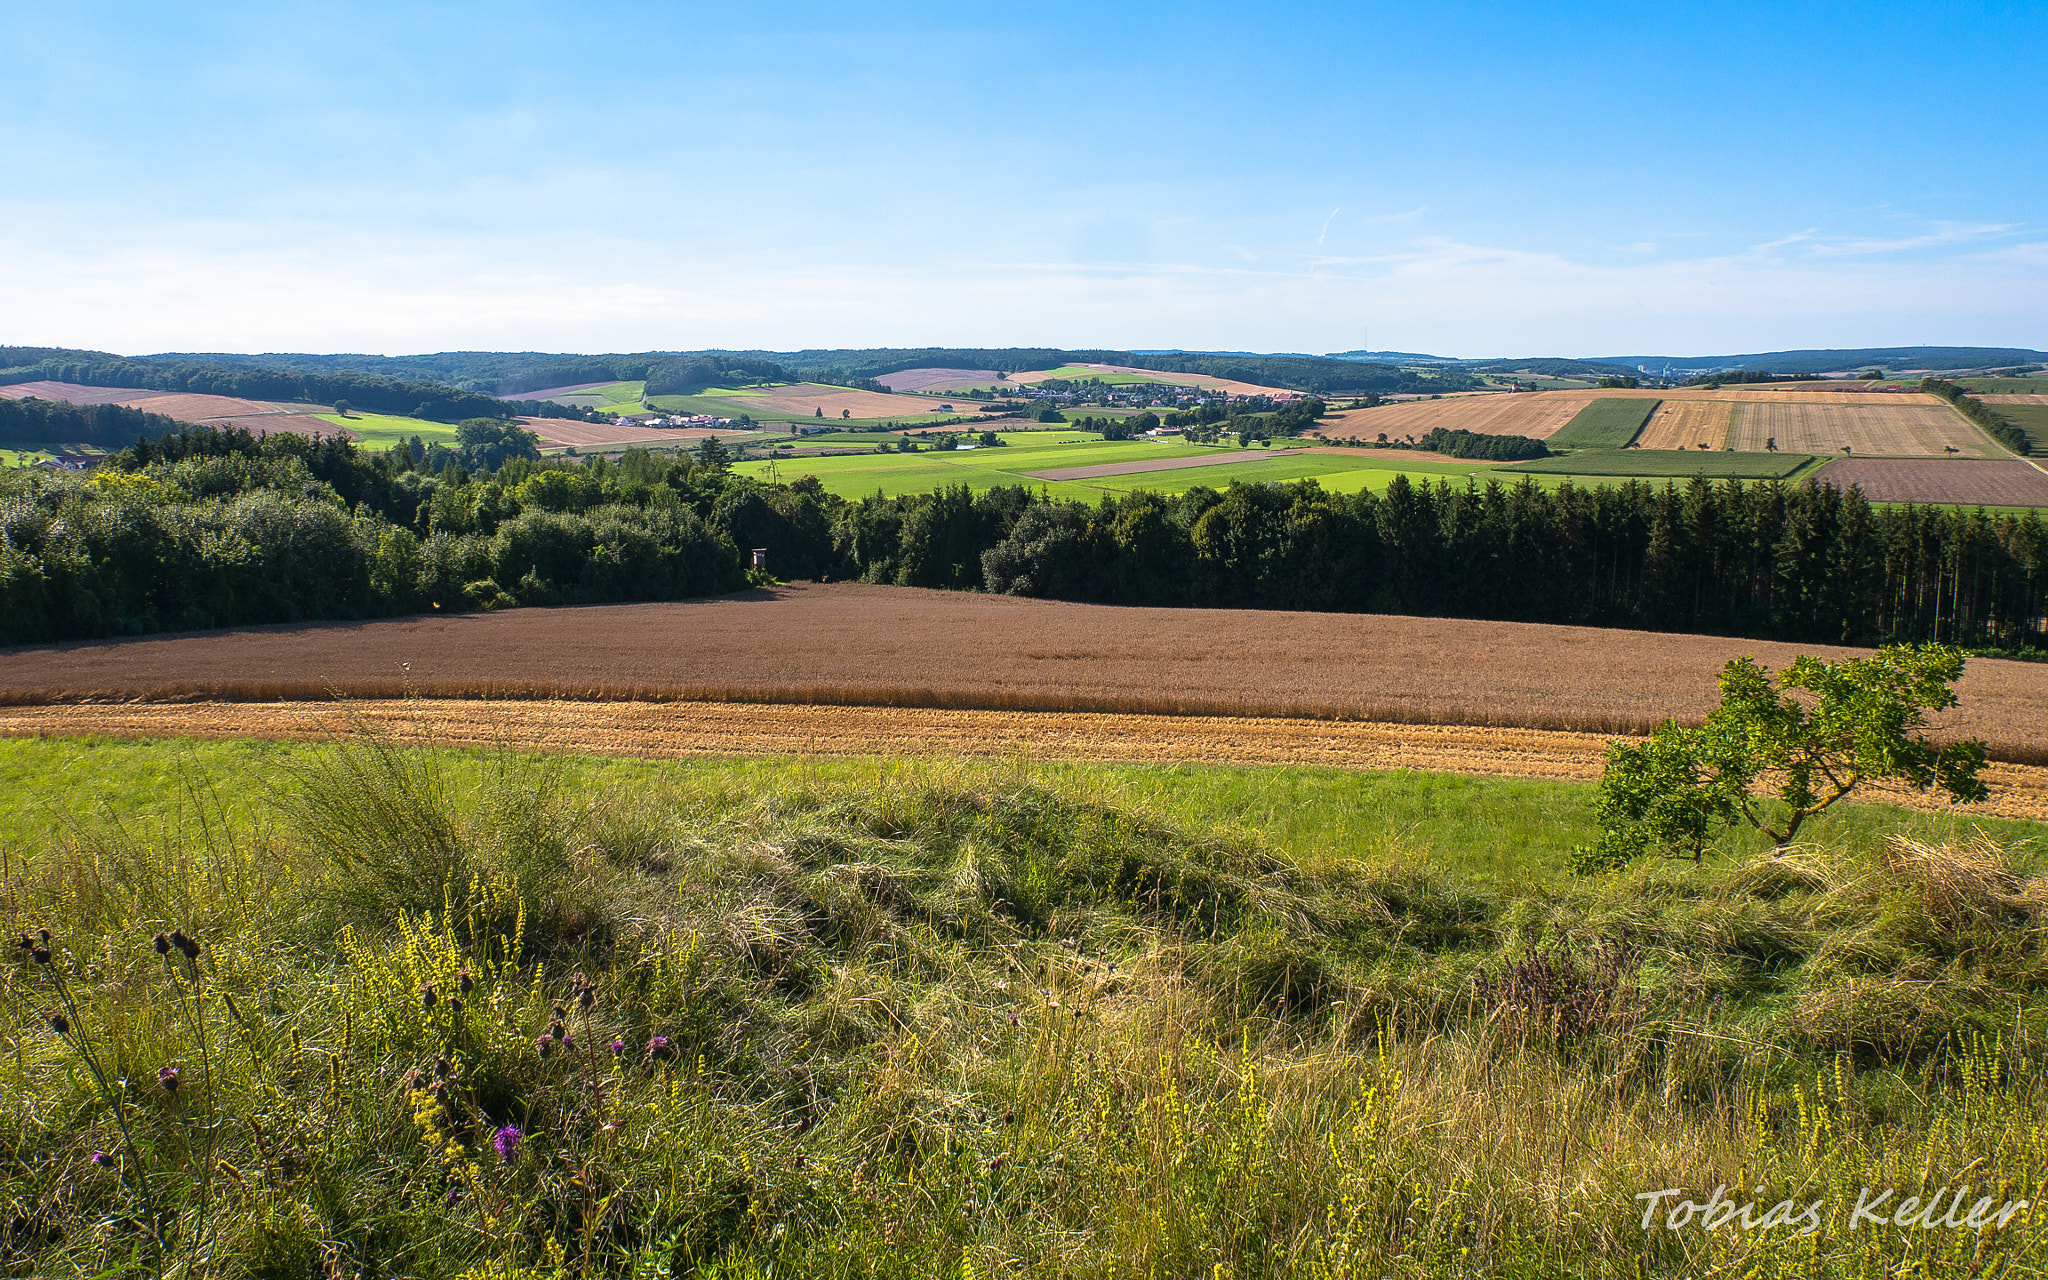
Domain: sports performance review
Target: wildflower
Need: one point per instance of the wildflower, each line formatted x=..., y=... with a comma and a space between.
x=60, y=1024
x=569, y=1043
x=453, y=1195
x=103, y=1160
x=658, y=1048
x=466, y=983
x=618, y=1047
x=455, y=1005
x=506, y=1140
x=545, y=1044
x=185, y=945
x=556, y=1030
x=428, y=995
x=168, y=1078
x=161, y=943
x=586, y=998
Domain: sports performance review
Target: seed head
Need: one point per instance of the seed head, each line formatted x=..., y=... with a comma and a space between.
x=60, y=1024
x=586, y=998
x=455, y=1005
x=168, y=1078
x=556, y=1031
x=161, y=942
x=442, y=1067
x=103, y=1160
x=545, y=1044
x=187, y=946
x=464, y=982
x=428, y=996
x=41, y=955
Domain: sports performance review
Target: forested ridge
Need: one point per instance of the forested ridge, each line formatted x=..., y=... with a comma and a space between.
x=204, y=528
x=376, y=393
x=398, y=384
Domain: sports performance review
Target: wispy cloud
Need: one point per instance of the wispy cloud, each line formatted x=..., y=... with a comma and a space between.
x=1326, y=225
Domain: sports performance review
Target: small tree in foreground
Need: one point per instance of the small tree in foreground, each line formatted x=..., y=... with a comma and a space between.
x=1853, y=722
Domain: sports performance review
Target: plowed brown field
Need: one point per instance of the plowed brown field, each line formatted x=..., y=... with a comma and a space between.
x=857, y=645
x=554, y=431
x=219, y=411
x=715, y=729
x=2002, y=483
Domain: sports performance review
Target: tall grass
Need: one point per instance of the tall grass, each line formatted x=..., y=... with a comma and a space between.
x=452, y=1019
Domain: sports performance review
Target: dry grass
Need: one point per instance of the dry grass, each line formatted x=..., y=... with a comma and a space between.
x=218, y=411
x=854, y=644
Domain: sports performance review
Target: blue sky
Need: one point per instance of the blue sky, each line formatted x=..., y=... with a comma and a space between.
x=1462, y=179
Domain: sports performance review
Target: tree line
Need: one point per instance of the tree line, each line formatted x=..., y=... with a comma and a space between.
x=206, y=528
x=2006, y=433
x=32, y=421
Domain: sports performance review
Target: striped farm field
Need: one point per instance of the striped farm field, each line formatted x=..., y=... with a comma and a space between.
x=1534, y=414
x=1912, y=426
x=1687, y=424
x=1877, y=424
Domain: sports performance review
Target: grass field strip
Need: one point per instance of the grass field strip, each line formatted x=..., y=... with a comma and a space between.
x=685, y=729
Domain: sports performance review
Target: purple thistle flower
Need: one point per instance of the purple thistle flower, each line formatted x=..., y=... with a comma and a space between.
x=103, y=1160
x=453, y=1196
x=658, y=1047
x=545, y=1045
x=168, y=1078
x=618, y=1047
x=506, y=1140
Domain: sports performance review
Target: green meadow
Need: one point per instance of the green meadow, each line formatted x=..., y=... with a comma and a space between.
x=382, y=430
x=467, y=1014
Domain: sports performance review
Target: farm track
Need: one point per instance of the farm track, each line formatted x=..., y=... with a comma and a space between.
x=694, y=729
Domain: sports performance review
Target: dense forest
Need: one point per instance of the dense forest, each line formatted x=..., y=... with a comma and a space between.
x=32, y=422
x=204, y=528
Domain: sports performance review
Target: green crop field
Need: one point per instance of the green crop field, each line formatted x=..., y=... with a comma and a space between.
x=381, y=430
x=1673, y=463
x=2030, y=418
x=1608, y=423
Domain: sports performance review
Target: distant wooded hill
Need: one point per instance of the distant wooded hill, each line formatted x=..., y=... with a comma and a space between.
x=1834, y=360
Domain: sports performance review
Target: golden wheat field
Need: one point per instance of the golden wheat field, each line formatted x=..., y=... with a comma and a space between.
x=850, y=644
x=1918, y=426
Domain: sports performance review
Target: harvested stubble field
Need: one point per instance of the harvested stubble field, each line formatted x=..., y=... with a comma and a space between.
x=1687, y=424
x=1820, y=422
x=1536, y=414
x=850, y=644
x=1976, y=482
x=694, y=729
x=1907, y=426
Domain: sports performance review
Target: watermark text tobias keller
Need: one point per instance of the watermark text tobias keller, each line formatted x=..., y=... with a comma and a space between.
x=1873, y=1209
